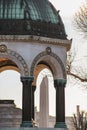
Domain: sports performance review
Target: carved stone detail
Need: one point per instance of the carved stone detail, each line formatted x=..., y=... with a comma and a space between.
x=42, y=40
x=44, y=53
x=9, y=54
x=48, y=50
x=21, y=60
x=3, y=48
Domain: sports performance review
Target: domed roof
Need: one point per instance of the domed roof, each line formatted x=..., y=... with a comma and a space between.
x=30, y=17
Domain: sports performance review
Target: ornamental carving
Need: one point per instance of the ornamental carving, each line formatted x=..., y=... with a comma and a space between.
x=44, y=53
x=16, y=58
x=21, y=60
x=3, y=48
x=48, y=50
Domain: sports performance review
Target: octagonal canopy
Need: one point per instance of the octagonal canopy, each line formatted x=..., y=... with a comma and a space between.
x=30, y=17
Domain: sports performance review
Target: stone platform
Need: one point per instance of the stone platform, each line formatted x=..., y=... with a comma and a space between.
x=4, y=128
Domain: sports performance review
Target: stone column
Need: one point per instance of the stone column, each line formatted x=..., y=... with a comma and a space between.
x=60, y=103
x=27, y=101
x=33, y=90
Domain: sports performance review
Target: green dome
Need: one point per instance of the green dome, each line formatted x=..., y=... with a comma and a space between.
x=30, y=17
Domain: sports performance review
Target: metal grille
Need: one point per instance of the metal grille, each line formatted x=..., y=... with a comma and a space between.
x=28, y=9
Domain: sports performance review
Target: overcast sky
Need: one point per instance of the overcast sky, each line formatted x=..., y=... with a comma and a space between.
x=67, y=7
x=74, y=94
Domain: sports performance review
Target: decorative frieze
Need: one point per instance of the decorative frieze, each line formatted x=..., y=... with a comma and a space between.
x=39, y=39
x=45, y=53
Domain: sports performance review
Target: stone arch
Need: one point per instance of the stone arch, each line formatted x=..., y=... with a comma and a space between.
x=48, y=52
x=16, y=58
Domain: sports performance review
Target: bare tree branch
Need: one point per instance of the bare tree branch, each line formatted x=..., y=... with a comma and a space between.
x=80, y=19
x=78, y=72
x=77, y=77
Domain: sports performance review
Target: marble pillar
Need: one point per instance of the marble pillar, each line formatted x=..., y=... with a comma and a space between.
x=27, y=101
x=60, y=103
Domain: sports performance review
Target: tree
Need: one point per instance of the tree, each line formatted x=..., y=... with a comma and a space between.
x=78, y=72
x=80, y=19
x=80, y=120
x=80, y=23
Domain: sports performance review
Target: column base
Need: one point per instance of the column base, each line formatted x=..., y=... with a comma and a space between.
x=26, y=124
x=60, y=125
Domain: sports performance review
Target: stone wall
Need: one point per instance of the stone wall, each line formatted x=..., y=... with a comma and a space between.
x=10, y=116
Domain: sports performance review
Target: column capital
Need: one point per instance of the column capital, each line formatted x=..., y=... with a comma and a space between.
x=59, y=82
x=30, y=78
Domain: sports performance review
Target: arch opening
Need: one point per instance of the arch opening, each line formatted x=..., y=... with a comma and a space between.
x=48, y=97
x=14, y=59
x=11, y=87
x=52, y=61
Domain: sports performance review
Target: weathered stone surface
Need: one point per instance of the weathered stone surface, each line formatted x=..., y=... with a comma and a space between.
x=10, y=116
x=33, y=128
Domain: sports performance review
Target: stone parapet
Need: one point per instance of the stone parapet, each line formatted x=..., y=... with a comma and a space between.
x=33, y=128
